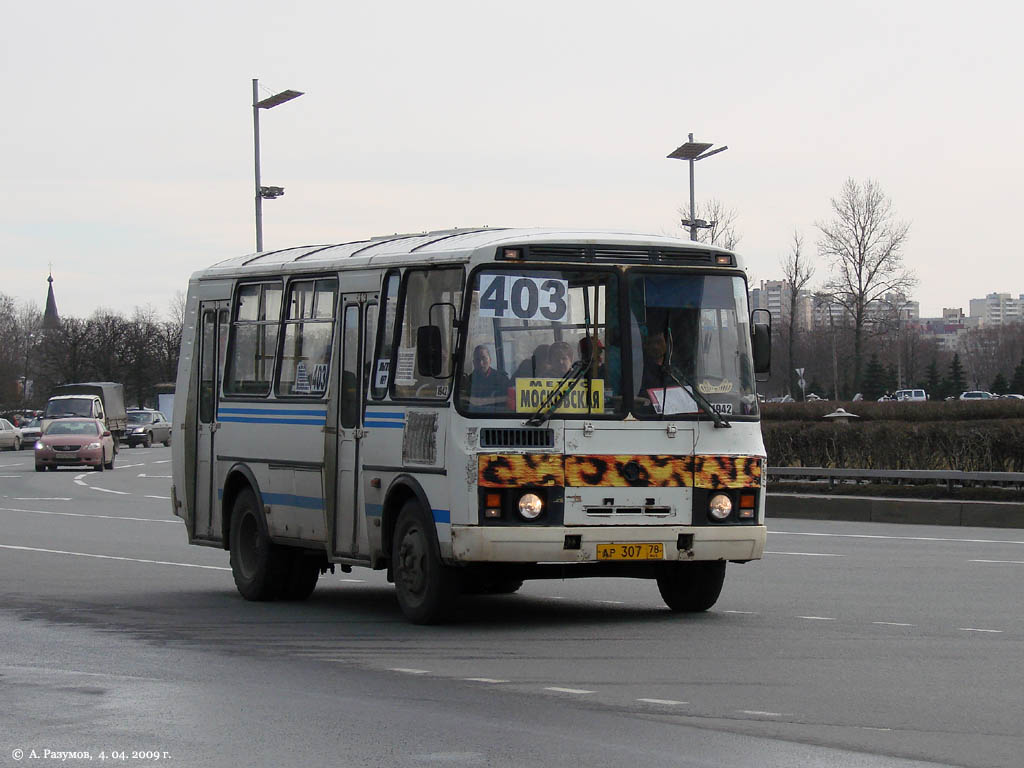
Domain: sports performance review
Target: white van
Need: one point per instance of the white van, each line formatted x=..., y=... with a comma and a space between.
x=910, y=395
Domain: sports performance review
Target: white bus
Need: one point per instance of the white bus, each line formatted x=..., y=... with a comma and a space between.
x=469, y=409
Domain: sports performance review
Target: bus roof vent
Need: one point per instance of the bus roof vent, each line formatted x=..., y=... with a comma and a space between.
x=683, y=255
x=516, y=437
x=557, y=252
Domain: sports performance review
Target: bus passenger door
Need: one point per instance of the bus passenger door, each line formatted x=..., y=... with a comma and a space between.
x=349, y=533
x=213, y=335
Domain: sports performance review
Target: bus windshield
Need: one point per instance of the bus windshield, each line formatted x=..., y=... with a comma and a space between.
x=690, y=331
x=543, y=340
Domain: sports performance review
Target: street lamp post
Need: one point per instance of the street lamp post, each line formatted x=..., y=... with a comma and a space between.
x=692, y=151
x=262, y=192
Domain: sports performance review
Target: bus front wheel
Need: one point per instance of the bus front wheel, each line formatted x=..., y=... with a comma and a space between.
x=691, y=587
x=257, y=564
x=425, y=586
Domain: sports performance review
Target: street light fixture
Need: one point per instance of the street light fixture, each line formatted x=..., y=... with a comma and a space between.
x=264, y=193
x=692, y=151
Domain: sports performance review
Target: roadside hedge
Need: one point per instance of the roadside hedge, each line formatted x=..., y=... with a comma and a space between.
x=969, y=445
x=952, y=410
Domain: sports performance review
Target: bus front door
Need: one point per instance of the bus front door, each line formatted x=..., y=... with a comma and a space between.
x=214, y=329
x=350, y=522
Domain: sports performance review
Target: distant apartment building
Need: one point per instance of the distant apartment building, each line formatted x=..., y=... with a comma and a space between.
x=894, y=310
x=775, y=296
x=996, y=309
x=948, y=330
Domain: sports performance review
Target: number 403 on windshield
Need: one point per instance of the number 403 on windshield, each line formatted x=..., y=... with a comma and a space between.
x=524, y=298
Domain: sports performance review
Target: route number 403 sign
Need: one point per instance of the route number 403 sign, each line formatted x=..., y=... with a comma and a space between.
x=524, y=298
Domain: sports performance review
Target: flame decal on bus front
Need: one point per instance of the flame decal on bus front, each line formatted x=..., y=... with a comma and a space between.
x=623, y=471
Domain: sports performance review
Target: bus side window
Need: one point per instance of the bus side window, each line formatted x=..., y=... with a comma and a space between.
x=253, y=345
x=424, y=291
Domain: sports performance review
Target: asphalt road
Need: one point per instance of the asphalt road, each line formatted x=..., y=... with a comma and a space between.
x=849, y=645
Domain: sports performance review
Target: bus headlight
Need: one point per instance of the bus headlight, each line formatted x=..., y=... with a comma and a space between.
x=720, y=506
x=530, y=506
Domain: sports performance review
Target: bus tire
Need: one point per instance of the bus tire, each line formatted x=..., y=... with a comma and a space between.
x=426, y=588
x=691, y=587
x=303, y=574
x=257, y=564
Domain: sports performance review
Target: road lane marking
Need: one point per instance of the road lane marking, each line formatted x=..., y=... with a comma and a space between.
x=577, y=691
x=894, y=538
x=41, y=498
x=817, y=618
x=163, y=461
x=159, y=477
x=892, y=624
x=490, y=680
x=666, y=702
x=112, y=557
x=806, y=554
x=107, y=490
x=408, y=671
x=81, y=514
x=743, y=613
x=612, y=602
x=353, y=581
x=1007, y=562
x=976, y=629
x=10, y=475
x=759, y=713
x=162, y=498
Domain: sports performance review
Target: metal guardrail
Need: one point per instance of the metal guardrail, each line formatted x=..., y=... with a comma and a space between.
x=898, y=476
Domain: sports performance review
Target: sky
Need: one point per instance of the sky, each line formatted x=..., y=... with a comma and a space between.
x=126, y=148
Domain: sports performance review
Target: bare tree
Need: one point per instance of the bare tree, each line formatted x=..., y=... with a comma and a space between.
x=722, y=231
x=797, y=271
x=864, y=245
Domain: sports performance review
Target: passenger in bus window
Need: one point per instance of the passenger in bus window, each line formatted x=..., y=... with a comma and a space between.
x=655, y=348
x=597, y=363
x=559, y=359
x=487, y=385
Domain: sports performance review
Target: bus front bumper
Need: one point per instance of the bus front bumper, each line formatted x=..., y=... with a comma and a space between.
x=525, y=544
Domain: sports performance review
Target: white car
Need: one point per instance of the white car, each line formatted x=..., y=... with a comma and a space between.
x=976, y=394
x=10, y=436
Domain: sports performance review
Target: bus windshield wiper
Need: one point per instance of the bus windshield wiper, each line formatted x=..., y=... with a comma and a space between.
x=562, y=388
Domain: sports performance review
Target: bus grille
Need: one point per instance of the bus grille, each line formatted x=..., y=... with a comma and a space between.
x=497, y=437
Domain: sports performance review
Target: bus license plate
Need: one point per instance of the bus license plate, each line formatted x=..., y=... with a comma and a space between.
x=634, y=551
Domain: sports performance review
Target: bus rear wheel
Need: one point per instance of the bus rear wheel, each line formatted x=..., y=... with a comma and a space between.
x=257, y=564
x=303, y=574
x=425, y=586
x=691, y=587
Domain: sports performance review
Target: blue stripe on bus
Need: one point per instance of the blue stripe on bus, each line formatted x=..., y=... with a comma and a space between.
x=291, y=500
x=385, y=414
x=441, y=515
x=374, y=510
x=254, y=420
x=385, y=424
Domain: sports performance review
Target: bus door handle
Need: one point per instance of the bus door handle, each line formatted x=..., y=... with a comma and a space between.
x=359, y=433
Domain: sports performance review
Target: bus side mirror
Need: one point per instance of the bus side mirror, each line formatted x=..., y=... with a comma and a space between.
x=762, y=348
x=428, y=350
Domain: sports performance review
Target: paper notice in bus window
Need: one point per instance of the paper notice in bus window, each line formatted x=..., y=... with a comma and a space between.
x=301, y=385
x=380, y=376
x=531, y=394
x=405, y=370
x=672, y=400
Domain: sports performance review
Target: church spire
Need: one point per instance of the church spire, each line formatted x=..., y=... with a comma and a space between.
x=51, y=320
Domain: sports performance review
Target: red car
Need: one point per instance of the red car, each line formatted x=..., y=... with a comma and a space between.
x=75, y=442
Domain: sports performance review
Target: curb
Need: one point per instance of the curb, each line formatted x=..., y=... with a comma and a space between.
x=870, y=509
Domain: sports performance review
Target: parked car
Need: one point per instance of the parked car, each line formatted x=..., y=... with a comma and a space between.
x=910, y=395
x=976, y=394
x=146, y=427
x=10, y=436
x=1012, y=396
x=75, y=442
